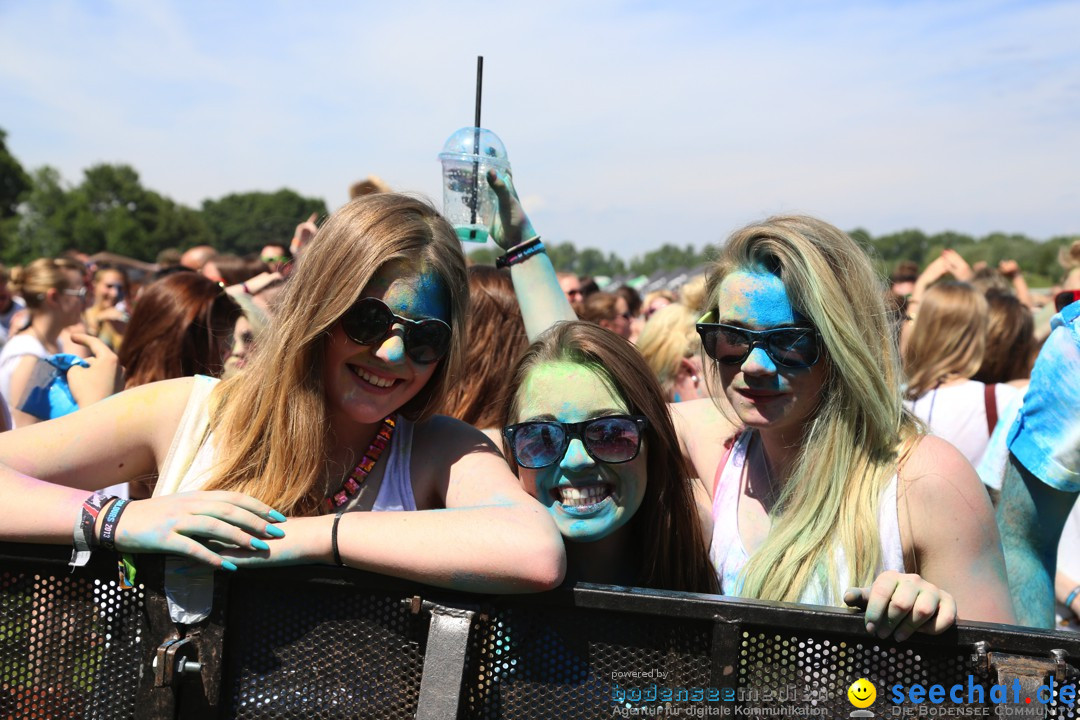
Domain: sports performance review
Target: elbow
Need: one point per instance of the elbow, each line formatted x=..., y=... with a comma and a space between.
x=544, y=567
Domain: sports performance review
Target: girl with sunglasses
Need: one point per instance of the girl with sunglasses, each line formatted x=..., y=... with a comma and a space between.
x=333, y=413
x=824, y=490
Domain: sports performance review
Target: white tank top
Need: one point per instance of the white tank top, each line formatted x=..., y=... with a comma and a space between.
x=729, y=556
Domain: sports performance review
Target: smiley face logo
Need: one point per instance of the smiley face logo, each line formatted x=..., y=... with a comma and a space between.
x=862, y=693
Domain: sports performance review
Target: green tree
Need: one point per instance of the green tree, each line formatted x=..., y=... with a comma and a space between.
x=14, y=182
x=244, y=222
x=45, y=218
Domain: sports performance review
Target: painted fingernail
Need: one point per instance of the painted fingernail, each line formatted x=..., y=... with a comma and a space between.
x=276, y=516
x=259, y=544
x=275, y=531
x=226, y=565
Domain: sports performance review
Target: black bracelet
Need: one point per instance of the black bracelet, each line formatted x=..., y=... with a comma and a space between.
x=333, y=540
x=108, y=526
x=520, y=253
x=83, y=536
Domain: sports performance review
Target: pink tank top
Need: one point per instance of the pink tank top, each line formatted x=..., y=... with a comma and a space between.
x=729, y=556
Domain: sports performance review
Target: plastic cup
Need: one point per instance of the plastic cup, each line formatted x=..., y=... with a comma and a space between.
x=468, y=201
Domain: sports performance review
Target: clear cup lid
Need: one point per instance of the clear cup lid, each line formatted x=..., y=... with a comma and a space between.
x=463, y=145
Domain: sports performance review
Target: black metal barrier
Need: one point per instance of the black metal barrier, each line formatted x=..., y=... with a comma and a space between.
x=318, y=642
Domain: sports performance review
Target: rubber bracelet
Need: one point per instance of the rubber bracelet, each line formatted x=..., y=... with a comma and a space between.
x=520, y=253
x=333, y=540
x=108, y=526
x=83, y=535
x=1072, y=596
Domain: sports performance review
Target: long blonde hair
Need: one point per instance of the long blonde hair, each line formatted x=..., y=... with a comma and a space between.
x=669, y=336
x=948, y=340
x=850, y=446
x=270, y=422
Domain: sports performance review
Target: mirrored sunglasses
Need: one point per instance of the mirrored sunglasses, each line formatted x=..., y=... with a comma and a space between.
x=369, y=322
x=611, y=439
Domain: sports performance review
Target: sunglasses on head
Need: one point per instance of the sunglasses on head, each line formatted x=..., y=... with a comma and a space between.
x=370, y=321
x=1066, y=298
x=790, y=347
x=611, y=439
x=273, y=258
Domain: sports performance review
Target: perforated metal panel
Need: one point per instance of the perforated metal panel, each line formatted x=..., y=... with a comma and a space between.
x=542, y=663
x=359, y=656
x=70, y=646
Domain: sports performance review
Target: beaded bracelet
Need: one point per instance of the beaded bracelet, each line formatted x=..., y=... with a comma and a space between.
x=520, y=253
x=108, y=526
x=83, y=535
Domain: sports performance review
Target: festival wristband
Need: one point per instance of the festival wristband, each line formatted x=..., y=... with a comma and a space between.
x=521, y=253
x=83, y=534
x=108, y=526
x=1072, y=596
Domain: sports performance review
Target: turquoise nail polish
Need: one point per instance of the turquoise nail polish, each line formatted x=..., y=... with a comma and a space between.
x=274, y=531
x=226, y=565
x=276, y=516
x=259, y=544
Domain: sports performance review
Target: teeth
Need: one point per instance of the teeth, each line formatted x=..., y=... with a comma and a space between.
x=372, y=379
x=577, y=497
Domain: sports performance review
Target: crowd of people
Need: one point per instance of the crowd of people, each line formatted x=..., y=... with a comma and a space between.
x=789, y=427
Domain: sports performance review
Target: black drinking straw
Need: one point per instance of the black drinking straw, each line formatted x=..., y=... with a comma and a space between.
x=476, y=143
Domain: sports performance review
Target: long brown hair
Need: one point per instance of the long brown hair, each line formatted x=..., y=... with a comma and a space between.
x=496, y=339
x=270, y=422
x=666, y=532
x=179, y=327
x=949, y=337
x=1010, y=340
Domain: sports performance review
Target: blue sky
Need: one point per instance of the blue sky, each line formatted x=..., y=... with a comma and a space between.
x=629, y=124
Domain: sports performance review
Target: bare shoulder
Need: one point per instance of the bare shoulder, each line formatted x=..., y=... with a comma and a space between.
x=936, y=471
x=456, y=465
x=448, y=437
x=703, y=431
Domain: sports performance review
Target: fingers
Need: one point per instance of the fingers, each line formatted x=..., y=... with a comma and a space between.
x=857, y=597
x=313, y=218
x=899, y=605
x=97, y=347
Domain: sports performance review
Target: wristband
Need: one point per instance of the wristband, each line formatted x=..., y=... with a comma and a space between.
x=108, y=526
x=520, y=253
x=1072, y=596
x=333, y=540
x=83, y=535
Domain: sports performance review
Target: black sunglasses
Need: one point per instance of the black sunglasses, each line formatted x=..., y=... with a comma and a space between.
x=1065, y=298
x=369, y=321
x=791, y=347
x=612, y=439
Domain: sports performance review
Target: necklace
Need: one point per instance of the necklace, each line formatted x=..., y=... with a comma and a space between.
x=352, y=483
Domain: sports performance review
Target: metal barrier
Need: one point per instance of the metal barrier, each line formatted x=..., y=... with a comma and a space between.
x=318, y=642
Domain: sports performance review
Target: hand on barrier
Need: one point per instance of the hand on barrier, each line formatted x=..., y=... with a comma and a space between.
x=511, y=226
x=182, y=524
x=898, y=604
x=104, y=377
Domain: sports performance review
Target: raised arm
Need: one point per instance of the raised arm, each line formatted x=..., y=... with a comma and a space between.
x=537, y=287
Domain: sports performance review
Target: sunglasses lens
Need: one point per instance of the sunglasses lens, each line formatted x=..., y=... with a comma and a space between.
x=794, y=348
x=728, y=346
x=367, y=322
x=427, y=342
x=612, y=440
x=538, y=444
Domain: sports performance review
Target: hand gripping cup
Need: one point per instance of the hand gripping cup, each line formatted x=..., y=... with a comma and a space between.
x=468, y=201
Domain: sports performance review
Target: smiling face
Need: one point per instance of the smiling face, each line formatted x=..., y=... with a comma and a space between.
x=765, y=395
x=109, y=288
x=862, y=693
x=588, y=499
x=366, y=383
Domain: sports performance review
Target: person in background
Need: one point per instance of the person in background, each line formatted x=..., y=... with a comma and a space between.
x=497, y=339
x=610, y=311
x=1010, y=341
x=276, y=256
x=248, y=331
x=671, y=347
x=946, y=348
x=107, y=318
x=633, y=305
x=9, y=304
x=571, y=287
x=196, y=257
x=904, y=275
x=656, y=300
